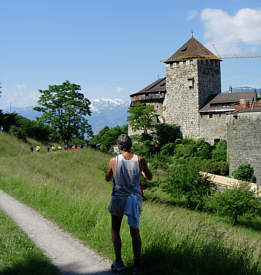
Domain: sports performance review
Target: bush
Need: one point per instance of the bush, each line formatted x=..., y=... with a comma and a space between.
x=185, y=149
x=166, y=133
x=168, y=149
x=219, y=151
x=192, y=148
x=215, y=167
x=244, y=172
x=18, y=132
x=160, y=161
x=202, y=149
x=142, y=149
x=107, y=137
x=235, y=202
x=185, y=180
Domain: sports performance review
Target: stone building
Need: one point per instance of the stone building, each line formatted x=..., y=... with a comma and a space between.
x=190, y=94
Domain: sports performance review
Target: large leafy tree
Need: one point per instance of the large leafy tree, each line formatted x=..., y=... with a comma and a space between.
x=142, y=117
x=65, y=108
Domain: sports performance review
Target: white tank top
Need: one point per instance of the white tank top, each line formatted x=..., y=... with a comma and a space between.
x=126, y=177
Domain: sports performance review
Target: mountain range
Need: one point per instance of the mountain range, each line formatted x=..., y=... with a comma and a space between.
x=105, y=112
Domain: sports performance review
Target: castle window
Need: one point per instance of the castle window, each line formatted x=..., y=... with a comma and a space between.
x=216, y=140
x=219, y=115
x=210, y=115
x=171, y=65
x=191, y=83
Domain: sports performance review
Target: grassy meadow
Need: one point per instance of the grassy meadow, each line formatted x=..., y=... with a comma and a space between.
x=69, y=189
x=18, y=254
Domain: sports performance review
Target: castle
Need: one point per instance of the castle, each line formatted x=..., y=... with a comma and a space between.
x=190, y=94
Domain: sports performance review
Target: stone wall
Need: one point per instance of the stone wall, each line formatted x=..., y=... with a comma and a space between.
x=209, y=80
x=244, y=141
x=180, y=106
x=213, y=127
x=189, y=85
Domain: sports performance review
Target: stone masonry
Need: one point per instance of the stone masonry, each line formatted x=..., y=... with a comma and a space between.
x=244, y=141
x=189, y=86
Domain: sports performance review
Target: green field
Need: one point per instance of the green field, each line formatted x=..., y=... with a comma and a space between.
x=69, y=189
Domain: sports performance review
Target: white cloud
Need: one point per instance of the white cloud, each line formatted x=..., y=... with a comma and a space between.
x=232, y=34
x=119, y=89
x=20, y=86
x=192, y=14
x=18, y=96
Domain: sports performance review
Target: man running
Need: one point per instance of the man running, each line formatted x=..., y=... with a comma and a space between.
x=126, y=170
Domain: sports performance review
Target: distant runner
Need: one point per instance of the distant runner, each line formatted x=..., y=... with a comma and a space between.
x=126, y=170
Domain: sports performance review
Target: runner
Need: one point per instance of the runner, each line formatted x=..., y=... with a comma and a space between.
x=126, y=170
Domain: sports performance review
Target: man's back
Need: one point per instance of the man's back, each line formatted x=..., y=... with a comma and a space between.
x=126, y=176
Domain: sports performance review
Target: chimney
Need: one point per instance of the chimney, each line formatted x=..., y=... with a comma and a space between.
x=230, y=89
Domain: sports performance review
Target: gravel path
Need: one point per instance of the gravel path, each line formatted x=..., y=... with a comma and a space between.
x=65, y=252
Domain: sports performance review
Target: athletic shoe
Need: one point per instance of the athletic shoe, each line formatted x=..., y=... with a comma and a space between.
x=117, y=266
x=136, y=270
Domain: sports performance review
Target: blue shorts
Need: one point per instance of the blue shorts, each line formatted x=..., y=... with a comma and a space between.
x=117, y=205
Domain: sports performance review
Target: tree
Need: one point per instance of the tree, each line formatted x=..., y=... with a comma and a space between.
x=107, y=137
x=185, y=180
x=65, y=109
x=142, y=117
x=236, y=201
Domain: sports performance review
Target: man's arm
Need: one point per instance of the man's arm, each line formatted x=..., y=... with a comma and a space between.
x=109, y=173
x=145, y=171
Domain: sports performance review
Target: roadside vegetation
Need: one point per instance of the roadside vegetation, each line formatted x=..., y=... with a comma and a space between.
x=18, y=254
x=69, y=189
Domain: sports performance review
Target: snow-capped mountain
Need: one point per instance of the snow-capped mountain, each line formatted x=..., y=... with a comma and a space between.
x=108, y=112
x=105, y=112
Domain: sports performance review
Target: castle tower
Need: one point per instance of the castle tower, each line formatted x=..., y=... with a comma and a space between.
x=192, y=79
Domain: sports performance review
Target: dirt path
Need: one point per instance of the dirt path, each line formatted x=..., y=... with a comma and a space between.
x=65, y=252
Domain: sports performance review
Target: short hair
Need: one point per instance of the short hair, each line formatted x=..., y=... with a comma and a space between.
x=124, y=143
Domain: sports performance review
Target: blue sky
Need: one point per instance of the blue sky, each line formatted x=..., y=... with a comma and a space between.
x=113, y=48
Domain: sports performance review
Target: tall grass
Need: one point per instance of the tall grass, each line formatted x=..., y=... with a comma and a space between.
x=18, y=254
x=69, y=188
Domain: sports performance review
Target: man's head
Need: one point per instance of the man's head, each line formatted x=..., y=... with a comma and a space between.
x=124, y=143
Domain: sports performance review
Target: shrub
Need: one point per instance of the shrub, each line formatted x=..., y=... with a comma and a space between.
x=185, y=149
x=165, y=133
x=185, y=180
x=244, y=172
x=192, y=148
x=202, y=149
x=18, y=132
x=215, y=167
x=168, y=149
x=160, y=161
x=235, y=202
x=142, y=149
x=219, y=151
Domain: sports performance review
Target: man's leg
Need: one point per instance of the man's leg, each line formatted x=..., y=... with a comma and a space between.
x=136, y=245
x=116, y=238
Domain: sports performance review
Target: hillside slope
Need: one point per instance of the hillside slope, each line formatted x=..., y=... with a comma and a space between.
x=69, y=189
x=11, y=146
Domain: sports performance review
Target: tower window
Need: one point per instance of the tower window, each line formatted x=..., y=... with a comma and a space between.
x=210, y=115
x=191, y=83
